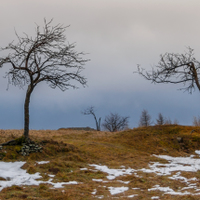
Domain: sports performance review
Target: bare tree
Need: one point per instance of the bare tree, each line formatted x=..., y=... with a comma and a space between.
x=196, y=121
x=176, y=68
x=176, y=122
x=160, y=120
x=90, y=111
x=145, y=119
x=115, y=122
x=168, y=121
x=43, y=58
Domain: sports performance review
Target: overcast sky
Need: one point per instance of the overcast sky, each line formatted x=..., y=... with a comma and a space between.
x=117, y=35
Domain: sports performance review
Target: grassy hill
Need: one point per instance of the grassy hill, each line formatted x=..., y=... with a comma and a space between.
x=71, y=153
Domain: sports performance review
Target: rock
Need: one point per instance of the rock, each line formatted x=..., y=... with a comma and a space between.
x=30, y=147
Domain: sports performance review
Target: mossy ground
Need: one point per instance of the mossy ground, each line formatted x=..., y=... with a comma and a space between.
x=70, y=150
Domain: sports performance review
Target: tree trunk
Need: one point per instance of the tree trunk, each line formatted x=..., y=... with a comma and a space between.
x=97, y=124
x=26, y=111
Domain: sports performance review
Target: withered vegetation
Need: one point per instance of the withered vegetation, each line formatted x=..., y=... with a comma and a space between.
x=70, y=150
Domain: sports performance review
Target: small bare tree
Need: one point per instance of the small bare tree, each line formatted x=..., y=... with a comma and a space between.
x=115, y=122
x=90, y=111
x=196, y=121
x=176, y=122
x=168, y=121
x=160, y=120
x=145, y=119
x=43, y=58
x=176, y=68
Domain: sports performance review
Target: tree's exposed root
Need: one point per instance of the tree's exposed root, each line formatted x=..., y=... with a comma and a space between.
x=11, y=142
x=17, y=141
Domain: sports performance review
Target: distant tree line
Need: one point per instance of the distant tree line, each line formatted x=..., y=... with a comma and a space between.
x=145, y=120
x=114, y=122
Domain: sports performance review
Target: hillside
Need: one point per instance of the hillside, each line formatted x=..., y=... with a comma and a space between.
x=158, y=162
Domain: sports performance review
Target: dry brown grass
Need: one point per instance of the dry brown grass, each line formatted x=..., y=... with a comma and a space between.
x=70, y=150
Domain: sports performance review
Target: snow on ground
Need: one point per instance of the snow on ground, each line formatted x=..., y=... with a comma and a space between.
x=15, y=175
x=42, y=162
x=113, y=173
x=175, y=165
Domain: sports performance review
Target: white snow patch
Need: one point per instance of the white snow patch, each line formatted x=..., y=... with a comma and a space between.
x=82, y=169
x=100, y=196
x=133, y=195
x=60, y=184
x=125, y=182
x=175, y=164
x=51, y=175
x=100, y=180
x=117, y=190
x=42, y=162
x=155, y=197
x=94, y=191
x=113, y=173
x=197, y=152
x=14, y=175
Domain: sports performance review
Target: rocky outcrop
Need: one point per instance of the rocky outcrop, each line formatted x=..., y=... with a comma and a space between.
x=28, y=148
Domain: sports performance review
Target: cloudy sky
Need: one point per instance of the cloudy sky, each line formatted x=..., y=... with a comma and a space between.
x=117, y=35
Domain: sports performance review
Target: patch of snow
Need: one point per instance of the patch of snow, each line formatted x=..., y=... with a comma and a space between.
x=133, y=195
x=51, y=175
x=163, y=189
x=125, y=182
x=197, y=152
x=117, y=190
x=168, y=190
x=187, y=164
x=14, y=175
x=83, y=169
x=100, y=196
x=42, y=162
x=135, y=188
x=136, y=175
x=175, y=164
x=12, y=172
x=99, y=180
x=113, y=173
x=94, y=191
x=155, y=197
x=60, y=184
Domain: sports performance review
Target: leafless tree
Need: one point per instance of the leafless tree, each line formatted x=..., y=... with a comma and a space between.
x=168, y=121
x=114, y=122
x=47, y=57
x=196, y=121
x=145, y=119
x=160, y=120
x=176, y=68
x=90, y=111
x=176, y=122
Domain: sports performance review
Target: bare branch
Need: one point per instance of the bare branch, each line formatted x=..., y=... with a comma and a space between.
x=175, y=68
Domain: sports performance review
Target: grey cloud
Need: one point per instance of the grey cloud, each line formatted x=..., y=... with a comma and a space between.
x=118, y=35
